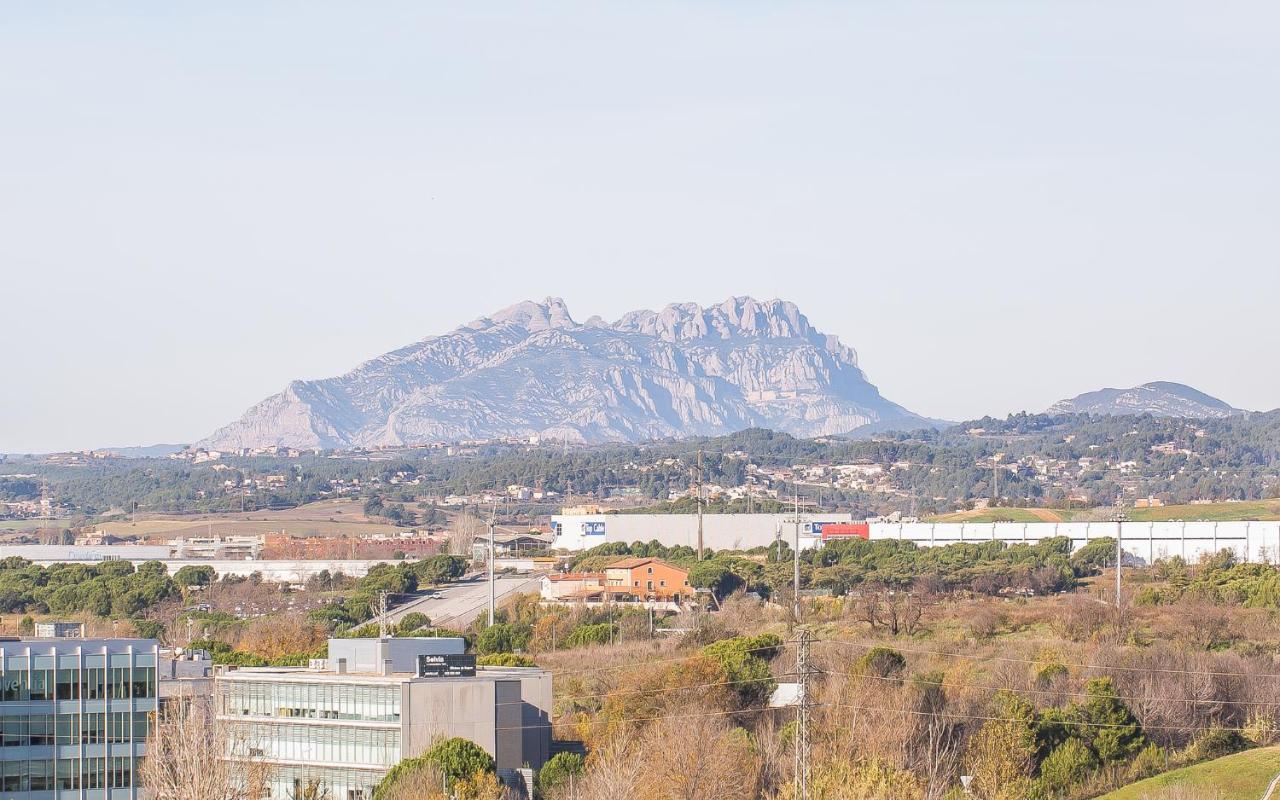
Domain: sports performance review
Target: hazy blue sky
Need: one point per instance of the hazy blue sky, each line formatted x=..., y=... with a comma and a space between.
x=997, y=204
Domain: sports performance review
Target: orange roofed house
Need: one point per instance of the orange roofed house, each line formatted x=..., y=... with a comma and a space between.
x=649, y=578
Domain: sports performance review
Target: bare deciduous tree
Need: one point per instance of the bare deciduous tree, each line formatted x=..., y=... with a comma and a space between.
x=464, y=529
x=186, y=758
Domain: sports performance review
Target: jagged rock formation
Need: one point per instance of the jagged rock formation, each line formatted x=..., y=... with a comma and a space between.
x=532, y=370
x=1159, y=398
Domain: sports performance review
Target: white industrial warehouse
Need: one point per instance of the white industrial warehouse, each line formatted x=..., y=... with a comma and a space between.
x=1147, y=541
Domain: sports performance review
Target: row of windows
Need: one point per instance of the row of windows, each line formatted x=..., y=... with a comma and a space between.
x=45, y=729
x=17, y=663
x=310, y=701
x=94, y=683
x=316, y=743
x=342, y=784
x=115, y=772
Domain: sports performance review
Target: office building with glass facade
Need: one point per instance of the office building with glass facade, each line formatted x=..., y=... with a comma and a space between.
x=345, y=729
x=74, y=716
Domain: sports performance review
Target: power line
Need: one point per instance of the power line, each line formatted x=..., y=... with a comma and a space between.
x=1068, y=692
x=1101, y=667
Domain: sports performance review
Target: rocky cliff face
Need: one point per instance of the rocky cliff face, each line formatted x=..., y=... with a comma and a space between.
x=1160, y=398
x=531, y=369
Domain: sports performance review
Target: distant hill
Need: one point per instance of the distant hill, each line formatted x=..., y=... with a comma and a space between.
x=1159, y=398
x=531, y=370
x=147, y=451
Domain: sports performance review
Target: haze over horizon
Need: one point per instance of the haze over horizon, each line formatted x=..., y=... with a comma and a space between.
x=997, y=206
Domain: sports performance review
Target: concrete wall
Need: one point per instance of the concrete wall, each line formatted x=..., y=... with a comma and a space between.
x=535, y=707
x=488, y=712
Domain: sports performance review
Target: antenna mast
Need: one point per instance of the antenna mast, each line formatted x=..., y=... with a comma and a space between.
x=803, y=673
x=1119, y=517
x=698, y=484
x=796, y=599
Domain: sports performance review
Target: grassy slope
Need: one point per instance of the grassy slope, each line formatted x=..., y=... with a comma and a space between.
x=1263, y=509
x=1003, y=515
x=1256, y=510
x=1243, y=776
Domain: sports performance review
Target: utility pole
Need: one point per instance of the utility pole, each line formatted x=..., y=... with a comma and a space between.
x=803, y=672
x=1119, y=517
x=492, y=591
x=699, y=488
x=383, y=630
x=796, y=599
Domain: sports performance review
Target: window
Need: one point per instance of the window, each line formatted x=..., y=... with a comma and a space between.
x=662, y=583
x=94, y=773
x=650, y=570
x=144, y=681
x=41, y=776
x=13, y=732
x=15, y=777
x=68, y=729
x=68, y=773
x=649, y=585
x=119, y=775
x=94, y=729
x=118, y=727
x=94, y=683
x=41, y=726
x=68, y=684
x=118, y=683
x=41, y=685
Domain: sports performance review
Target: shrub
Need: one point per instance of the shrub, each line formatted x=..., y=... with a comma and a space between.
x=744, y=671
x=1215, y=743
x=503, y=637
x=599, y=633
x=558, y=770
x=459, y=758
x=413, y=621
x=1067, y=765
x=504, y=660
x=1151, y=761
x=882, y=662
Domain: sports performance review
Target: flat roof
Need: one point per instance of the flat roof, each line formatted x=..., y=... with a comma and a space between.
x=302, y=675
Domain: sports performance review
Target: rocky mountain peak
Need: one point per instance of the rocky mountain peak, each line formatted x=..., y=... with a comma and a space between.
x=530, y=315
x=530, y=369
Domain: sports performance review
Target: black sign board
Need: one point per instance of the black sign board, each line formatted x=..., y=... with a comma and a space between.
x=447, y=666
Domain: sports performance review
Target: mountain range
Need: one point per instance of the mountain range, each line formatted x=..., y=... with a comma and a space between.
x=1159, y=399
x=531, y=370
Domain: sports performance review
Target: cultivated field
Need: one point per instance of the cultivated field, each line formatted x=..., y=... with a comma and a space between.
x=322, y=518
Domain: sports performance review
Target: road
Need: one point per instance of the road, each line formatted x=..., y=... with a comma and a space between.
x=462, y=602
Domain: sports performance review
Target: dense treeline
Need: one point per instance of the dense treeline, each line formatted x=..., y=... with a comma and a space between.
x=108, y=589
x=842, y=566
x=1230, y=459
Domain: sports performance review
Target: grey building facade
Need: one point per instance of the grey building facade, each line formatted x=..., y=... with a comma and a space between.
x=345, y=722
x=74, y=716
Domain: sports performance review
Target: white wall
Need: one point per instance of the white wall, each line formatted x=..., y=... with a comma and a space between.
x=1148, y=541
x=719, y=531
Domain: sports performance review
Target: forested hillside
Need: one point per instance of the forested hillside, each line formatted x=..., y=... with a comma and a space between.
x=1037, y=460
